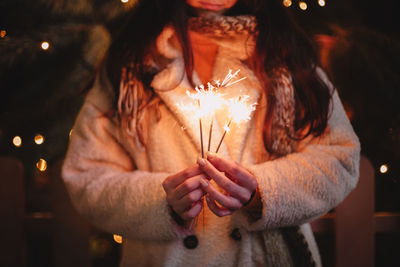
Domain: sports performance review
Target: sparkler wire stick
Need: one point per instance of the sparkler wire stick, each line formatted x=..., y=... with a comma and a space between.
x=201, y=136
x=209, y=135
x=223, y=136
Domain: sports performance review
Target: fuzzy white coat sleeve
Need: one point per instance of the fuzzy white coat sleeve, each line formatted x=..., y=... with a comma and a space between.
x=304, y=185
x=104, y=186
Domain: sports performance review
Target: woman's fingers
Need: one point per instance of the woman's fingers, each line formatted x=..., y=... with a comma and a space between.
x=171, y=182
x=241, y=174
x=227, y=202
x=219, y=211
x=188, y=186
x=187, y=201
x=224, y=182
x=192, y=212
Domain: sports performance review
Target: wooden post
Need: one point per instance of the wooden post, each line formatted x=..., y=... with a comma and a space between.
x=12, y=245
x=354, y=222
x=71, y=231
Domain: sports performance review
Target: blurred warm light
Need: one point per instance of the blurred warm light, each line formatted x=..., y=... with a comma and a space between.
x=287, y=3
x=3, y=33
x=17, y=141
x=45, y=45
x=124, y=1
x=70, y=132
x=41, y=165
x=118, y=239
x=303, y=5
x=39, y=139
x=384, y=168
x=321, y=2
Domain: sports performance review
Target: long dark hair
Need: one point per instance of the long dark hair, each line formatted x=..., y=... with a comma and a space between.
x=280, y=44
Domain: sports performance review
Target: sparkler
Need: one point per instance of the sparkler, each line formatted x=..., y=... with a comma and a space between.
x=208, y=101
x=240, y=111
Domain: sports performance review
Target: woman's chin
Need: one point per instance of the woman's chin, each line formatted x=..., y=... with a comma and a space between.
x=205, y=11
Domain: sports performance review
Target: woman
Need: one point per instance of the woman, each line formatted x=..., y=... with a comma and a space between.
x=132, y=171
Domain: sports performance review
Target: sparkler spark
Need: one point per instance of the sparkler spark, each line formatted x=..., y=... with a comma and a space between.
x=240, y=110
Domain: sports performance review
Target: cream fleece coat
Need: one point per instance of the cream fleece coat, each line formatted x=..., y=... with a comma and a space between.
x=116, y=183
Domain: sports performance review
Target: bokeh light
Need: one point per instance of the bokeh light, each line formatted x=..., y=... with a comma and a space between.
x=45, y=45
x=41, y=165
x=3, y=33
x=303, y=5
x=39, y=139
x=17, y=141
x=118, y=239
x=287, y=3
x=384, y=168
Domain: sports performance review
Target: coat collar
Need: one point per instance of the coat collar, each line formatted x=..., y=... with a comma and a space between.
x=171, y=85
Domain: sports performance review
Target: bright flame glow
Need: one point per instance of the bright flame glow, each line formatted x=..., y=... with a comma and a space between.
x=207, y=101
x=45, y=45
x=384, y=168
x=17, y=141
x=3, y=33
x=321, y=2
x=240, y=110
x=226, y=128
x=124, y=1
x=39, y=139
x=41, y=165
x=287, y=3
x=303, y=5
x=118, y=239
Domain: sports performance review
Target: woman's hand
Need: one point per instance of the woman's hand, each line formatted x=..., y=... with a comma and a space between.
x=238, y=183
x=184, y=192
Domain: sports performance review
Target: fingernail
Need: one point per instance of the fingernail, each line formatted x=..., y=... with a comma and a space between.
x=201, y=161
x=204, y=183
x=211, y=154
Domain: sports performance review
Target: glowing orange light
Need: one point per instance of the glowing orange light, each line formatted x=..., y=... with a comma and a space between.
x=384, y=168
x=124, y=1
x=39, y=139
x=118, y=239
x=321, y=2
x=303, y=5
x=45, y=45
x=287, y=3
x=17, y=141
x=3, y=33
x=41, y=165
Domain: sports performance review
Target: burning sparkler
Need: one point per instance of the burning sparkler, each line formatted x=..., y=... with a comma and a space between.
x=208, y=101
x=240, y=111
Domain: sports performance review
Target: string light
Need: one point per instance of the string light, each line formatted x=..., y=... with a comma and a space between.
x=321, y=2
x=45, y=45
x=3, y=33
x=39, y=139
x=384, y=168
x=17, y=141
x=124, y=1
x=41, y=165
x=118, y=239
x=303, y=5
x=287, y=3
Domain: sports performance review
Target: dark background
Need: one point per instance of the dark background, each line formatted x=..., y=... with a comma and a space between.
x=41, y=90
